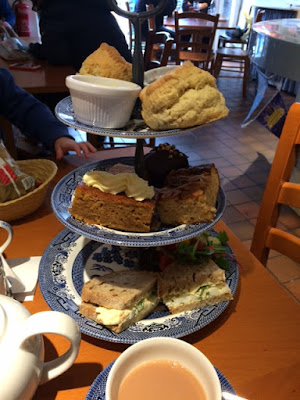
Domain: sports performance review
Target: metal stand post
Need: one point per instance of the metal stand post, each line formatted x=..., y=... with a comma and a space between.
x=137, y=65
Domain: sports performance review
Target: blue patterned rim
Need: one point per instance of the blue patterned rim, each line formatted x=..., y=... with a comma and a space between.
x=61, y=200
x=64, y=112
x=97, y=389
x=71, y=259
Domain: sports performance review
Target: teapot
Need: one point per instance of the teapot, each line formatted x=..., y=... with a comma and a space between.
x=22, y=366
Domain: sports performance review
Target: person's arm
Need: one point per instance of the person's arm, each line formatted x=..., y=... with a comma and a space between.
x=186, y=5
x=170, y=7
x=203, y=5
x=6, y=12
x=140, y=6
x=34, y=118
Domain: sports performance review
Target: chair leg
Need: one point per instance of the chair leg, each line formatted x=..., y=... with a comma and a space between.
x=245, y=77
x=217, y=66
x=152, y=142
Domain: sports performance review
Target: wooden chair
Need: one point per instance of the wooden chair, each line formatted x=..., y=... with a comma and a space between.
x=199, y=49
x=223, y=41
x=151, y=21
x=151, y=26
x=280, y=191
x=157, y=50
x=131, y=32
x=236, y=58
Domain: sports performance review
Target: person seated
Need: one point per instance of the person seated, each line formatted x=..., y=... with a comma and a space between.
x=6, y=13
x=73, y=29
x=201, y=5
x=140, y=6
x=35, y=119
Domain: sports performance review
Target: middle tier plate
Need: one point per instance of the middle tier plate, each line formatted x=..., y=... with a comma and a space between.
x=62, y=198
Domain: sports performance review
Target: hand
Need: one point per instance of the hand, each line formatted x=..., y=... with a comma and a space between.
x=64, y=144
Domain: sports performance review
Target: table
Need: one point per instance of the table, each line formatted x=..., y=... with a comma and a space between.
x=48, y=79
x=195, y=22
x=275, y=47
x=255, y=342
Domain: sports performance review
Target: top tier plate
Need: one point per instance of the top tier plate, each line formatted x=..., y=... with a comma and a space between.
x=135, y=129
x=62, y=198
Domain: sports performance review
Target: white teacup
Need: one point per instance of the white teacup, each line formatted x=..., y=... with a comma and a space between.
x=170, y=349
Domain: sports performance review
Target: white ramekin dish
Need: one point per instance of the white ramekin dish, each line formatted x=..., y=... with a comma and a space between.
x=102, y=102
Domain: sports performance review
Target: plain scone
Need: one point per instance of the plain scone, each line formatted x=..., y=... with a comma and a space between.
x=185, y=97
x=106, y=61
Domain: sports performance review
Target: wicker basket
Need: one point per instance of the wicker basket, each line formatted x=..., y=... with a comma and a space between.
x=43, y=171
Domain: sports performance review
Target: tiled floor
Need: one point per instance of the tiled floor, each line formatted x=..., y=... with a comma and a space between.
x=243, y=157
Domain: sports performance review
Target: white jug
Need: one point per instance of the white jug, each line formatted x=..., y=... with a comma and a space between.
x=22, y=366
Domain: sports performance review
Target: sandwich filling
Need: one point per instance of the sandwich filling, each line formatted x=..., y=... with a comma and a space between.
x=202, y=293
x=113, y=316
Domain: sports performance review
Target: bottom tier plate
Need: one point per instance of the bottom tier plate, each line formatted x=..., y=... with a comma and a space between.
x=71, y=259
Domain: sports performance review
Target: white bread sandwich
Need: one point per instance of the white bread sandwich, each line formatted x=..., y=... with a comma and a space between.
x=187, y=287
x=119, y=299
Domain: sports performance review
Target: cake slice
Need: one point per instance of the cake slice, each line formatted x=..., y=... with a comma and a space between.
x=189, y=196
x=123, y=201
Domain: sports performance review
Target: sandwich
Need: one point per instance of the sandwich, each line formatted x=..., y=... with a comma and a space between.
x=119, y=299
x=187, y=287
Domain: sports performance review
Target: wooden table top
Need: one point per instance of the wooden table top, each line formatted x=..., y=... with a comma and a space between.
x=255, y=342
x=196, y=22
x=48, y=79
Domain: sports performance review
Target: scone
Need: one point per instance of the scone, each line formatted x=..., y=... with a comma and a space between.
x=186, y=96
x=106, y=61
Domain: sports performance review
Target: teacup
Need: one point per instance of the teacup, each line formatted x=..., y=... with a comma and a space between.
x=160, y=349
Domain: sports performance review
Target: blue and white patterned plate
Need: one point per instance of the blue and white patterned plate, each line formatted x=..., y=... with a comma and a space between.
x=61, y=200
x=135, y=129
x=71, y=259
x=97, y=389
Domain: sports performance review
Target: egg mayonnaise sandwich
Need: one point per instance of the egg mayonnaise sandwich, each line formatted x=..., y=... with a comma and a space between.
x=185, y=287
x=119, y=299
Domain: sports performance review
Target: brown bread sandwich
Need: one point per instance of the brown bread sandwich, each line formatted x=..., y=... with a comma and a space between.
x=184, y=287
x=119, y=299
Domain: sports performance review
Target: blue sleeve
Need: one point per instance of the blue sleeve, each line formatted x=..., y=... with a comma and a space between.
x=31, y=116
x=140, y=6
x=6, y=12
x=185, y=6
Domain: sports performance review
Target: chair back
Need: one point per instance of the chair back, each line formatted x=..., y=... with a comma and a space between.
x=280, y=191
x=194, y=36
x=157, y=50
x=131, y=32
x=151, y=21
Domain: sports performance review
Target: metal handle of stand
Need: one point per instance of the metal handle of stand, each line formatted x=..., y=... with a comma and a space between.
x=137, y=63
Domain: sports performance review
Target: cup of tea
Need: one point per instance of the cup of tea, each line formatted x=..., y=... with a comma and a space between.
x=163, y=368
